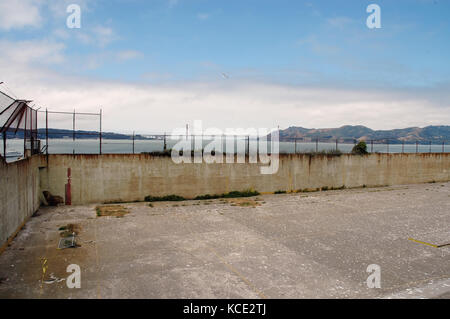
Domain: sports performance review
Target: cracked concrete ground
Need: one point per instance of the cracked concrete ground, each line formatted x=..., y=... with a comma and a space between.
x=305, y=245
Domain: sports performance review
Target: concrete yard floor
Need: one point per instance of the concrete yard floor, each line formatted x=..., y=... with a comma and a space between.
x=304, y=245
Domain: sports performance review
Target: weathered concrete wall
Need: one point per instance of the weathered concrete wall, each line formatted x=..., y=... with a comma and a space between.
x=108, y=178
x=19, y=195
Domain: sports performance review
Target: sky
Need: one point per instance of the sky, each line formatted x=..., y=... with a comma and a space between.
x=153, y=66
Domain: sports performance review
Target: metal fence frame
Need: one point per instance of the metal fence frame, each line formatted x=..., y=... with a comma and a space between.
x=74, y=133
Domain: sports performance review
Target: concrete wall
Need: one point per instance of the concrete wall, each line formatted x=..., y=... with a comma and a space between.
x=19, y=195
x=108, y=178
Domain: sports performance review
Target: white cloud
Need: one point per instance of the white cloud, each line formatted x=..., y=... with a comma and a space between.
x=156, y=107
x=100, y=36
x=318, y=46
x=128, y=55
x=203, y=16
x=61, y=34
x=18, y=14
x=58, y=8
x=339, y=22
x=39, y=51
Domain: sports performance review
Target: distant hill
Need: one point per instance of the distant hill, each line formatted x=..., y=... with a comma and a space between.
x=435, y=134
x=58, y=133
x=347, y=133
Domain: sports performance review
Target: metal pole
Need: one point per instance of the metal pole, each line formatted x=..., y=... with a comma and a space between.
x=403, y=146
x=31, y=134
x=371, y=146
x=46, y=130
x=248, y=145
x=443, y=147
x=430, y=146
x=4, y=145
x=296, y=146
x=165, y=142
x=133, y=142
x=337, y=145
x=317, y=145
x=387, y=143
x=257, y=145
x=417, y=147
x=73, y=132
x=25, y=135
x=100, y=133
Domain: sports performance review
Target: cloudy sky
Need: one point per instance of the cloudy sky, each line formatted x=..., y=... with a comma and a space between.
x=153, y=66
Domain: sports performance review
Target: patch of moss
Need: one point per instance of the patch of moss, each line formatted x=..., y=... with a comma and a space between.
x=207, y=197
x=168, y=198
x=234, y=194
x=111, y=210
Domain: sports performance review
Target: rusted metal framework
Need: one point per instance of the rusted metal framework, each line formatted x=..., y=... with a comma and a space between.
x=18, y=116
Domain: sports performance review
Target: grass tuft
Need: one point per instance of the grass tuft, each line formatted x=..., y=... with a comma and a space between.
x=168, y=198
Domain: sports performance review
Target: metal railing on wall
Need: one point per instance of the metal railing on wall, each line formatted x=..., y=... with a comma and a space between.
x=164, y=142
x=95, y=142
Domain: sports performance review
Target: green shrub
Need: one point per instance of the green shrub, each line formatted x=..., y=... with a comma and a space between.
x=237, y=194
x=233, y=194
x=360, y=148
x=207, y=196
x=176, y=198
x=280, y=192
x=168, y=198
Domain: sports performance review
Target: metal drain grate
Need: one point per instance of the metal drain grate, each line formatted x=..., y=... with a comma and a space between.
x=67, y=242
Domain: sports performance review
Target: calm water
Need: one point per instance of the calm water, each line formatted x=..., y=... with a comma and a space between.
x=67, y=146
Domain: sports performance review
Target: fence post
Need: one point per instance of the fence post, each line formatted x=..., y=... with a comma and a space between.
x=165, y=142
x=4, y=145
x=371, y=146
x=317, y=145
x=73, y=132
x=337, y=145
x=46, y=130
x=31, y=134
x=430, y=146
x=403, y=147
x=443, y=147
x=257, y=145
x=100, y=134
x=417, y=147
x=387, y=144
x=25, y=136
x=133, y=142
